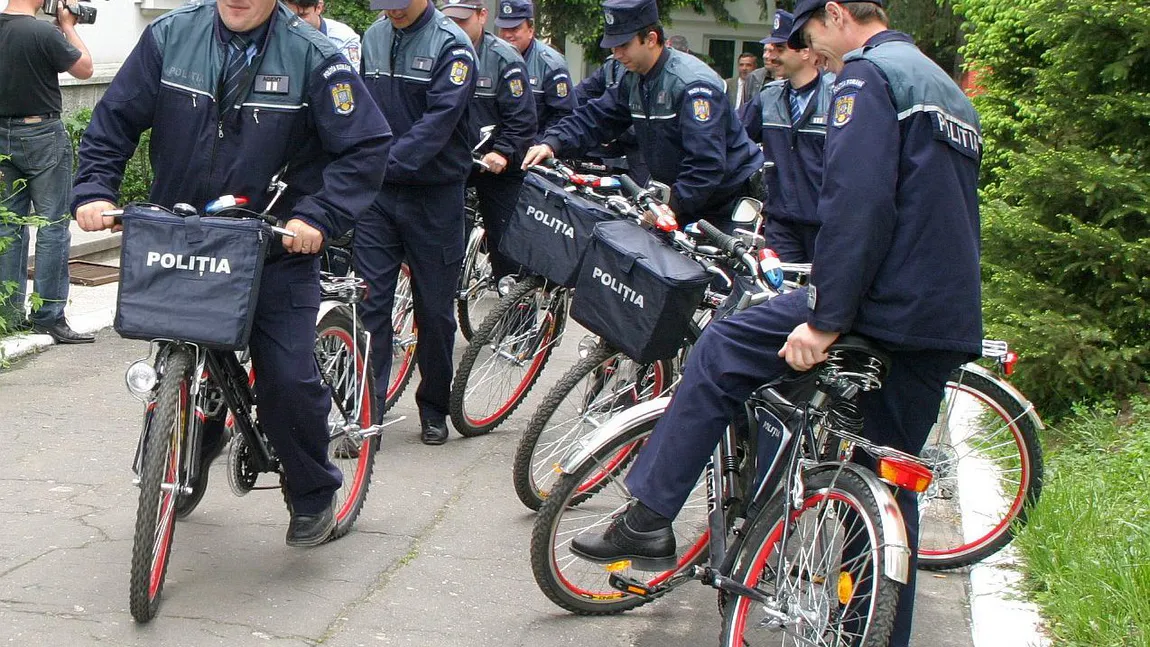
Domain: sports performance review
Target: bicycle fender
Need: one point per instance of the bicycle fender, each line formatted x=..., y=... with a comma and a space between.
x=896, y=551
x=326, y=307
x=585, y=448
x=1014, y=393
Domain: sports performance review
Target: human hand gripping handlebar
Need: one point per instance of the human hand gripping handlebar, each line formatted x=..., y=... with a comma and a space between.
x=736, y=248
x=664, y=218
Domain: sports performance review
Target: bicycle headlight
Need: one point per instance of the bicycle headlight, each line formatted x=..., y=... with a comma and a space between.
x=141, y=378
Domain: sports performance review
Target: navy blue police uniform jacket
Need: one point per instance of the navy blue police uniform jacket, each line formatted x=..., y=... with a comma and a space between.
x=795, y=148
x=423, y=77
x=687, y=131
x=307, y=108
x=550, y=84
x=605, y=77
x=902, y=265
x=503, y=99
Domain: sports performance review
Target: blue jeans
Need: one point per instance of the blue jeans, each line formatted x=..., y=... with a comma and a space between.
x=37, y=173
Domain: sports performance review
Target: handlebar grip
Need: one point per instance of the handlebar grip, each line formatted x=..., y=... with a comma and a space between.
x=727, y=243
x=630, y=185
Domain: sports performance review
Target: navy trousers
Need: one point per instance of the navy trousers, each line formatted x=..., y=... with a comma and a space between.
x=794, y=242
x=498, y=195
x=294, y=402
x=422, y=226
x=733, y=357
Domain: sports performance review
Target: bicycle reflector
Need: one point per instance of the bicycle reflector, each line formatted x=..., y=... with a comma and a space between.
x=904, y=473
x=1008, y=362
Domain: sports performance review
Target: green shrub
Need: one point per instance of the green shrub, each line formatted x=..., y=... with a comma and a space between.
x=1066, y=196
x=1087, y=542
x=138, y=176
x=7, y=217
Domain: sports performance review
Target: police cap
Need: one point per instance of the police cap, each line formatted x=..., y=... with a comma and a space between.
x=781, y=30
x=803, y=12
x=622, y=19
x=378, y=5
x=513, y=12
x=460, y=9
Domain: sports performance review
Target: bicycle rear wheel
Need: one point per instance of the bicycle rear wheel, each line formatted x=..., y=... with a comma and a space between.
x=160, y=476
x=581, y=586
x=597, y=387
x=830, y=584
x=403, y=340
x=351, y=381
x=987, y=463
x=505, y=357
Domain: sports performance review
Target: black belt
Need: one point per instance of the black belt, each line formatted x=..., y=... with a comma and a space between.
x=31, y=119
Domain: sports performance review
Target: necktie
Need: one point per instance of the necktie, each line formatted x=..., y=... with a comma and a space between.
x=798, y=104
x=237, y=62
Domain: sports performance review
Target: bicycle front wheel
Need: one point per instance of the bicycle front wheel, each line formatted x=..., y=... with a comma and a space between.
x=160, y=476
x=339, y=350
x=987, y=463
x=403, y=340
x=597, y=387
x=584, y=587
x=821, y=568
x=505, y=358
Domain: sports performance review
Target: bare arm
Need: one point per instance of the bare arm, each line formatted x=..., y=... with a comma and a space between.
x=82, y=68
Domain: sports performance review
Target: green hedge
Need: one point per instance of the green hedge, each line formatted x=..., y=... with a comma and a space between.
x=1066, y=196
x=138, y=176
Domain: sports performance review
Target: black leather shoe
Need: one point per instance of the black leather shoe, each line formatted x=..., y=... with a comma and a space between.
x=211, y=450
x=433, y=432
x=62, y=333
x=652, y=550
x=308, y=530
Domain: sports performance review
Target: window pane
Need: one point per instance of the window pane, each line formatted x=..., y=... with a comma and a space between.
x=722, y=53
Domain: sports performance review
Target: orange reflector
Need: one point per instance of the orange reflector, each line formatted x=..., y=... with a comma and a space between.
x=615, y=567
x=557, y=469
x=846, y=588
x=636, y=590
x=904, y=474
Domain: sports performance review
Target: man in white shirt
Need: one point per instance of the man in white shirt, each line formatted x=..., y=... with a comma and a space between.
x=742, y=87
x=344, y=37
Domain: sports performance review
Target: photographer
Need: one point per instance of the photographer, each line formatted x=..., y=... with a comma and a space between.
x=34, y=147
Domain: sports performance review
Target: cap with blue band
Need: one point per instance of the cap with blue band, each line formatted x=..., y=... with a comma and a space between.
x=622, y=19
x=803, y=12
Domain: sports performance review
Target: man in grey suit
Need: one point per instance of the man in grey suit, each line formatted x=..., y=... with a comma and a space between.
x=741, y=88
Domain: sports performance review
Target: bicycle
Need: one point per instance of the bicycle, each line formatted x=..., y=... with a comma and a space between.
x=477, y=283
x=184, y=383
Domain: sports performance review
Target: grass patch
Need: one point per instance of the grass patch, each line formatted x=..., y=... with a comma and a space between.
x=1087, y=543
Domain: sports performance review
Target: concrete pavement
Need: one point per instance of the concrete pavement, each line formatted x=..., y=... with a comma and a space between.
x=438, y=557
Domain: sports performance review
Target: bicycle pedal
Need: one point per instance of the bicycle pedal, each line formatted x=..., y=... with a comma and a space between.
x=634, y=587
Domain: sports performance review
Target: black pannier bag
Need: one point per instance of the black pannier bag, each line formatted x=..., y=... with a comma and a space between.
x=636, y=292
x=193, y=279
x=550, y=230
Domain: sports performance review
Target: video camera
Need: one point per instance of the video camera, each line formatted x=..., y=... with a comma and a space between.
x=85, y=15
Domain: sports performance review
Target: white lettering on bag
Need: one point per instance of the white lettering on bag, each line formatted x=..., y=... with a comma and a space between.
x=550, y=221
x=198, y=264
x=622, y=289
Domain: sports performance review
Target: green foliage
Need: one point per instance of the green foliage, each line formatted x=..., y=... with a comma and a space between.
x=137, y=182
x=1066, y=196
x=354, y=13
x=1087, y=542
x=9, y=218
x=582, y=20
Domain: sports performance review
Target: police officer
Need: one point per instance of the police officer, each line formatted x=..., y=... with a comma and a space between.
x=789, y=118
x=343, y=36
x=607, y=76
x=232, y=94
x=502, y=99
x=546, y=68
x=897, y=260
x=420, y=67
x=687, y=131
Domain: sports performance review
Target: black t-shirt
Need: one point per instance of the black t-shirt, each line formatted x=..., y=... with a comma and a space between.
x=32, y=53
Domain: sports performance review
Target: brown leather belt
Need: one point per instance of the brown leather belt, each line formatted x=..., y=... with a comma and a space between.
x=31, y=119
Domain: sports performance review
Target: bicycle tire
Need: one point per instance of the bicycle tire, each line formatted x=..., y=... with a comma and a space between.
x=475, y=287
x=529, y=475
x=405, y=337
x=166, y=429
x=756, y=564
x=580, y=586
x=1008, y=437
x=496, y=328
x=334, y=345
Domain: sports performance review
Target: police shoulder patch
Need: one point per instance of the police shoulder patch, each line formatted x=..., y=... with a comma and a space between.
x=702, y=110
x=459, y=70
x=843, y=110
x=516, y=87
x=342, y=99
x=561, y=89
